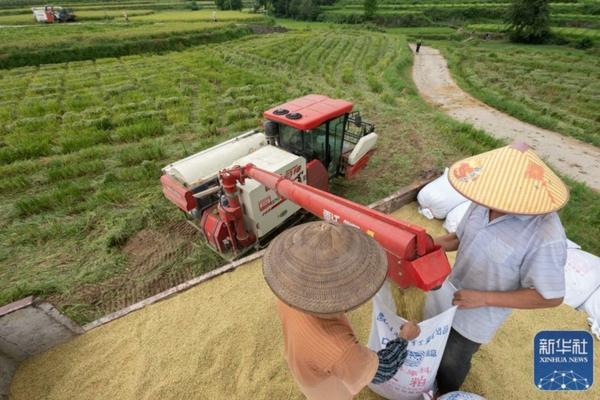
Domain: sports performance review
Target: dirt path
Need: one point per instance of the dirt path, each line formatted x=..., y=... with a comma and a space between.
x=571, y=157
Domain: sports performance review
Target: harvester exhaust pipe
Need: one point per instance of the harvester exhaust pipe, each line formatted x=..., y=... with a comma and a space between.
x=230, y=209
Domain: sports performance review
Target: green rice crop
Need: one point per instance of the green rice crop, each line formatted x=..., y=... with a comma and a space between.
x=453, y=13
x=82, y=144
x=549, y=86
x=21, y=46
x=201, y=15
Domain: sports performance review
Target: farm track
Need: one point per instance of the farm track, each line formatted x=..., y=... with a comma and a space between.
x=571, y=157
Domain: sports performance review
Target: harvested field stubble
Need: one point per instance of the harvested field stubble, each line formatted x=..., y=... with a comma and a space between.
x=222, y=340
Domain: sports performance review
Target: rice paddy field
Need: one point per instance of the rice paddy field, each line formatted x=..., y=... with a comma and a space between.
x=548, y=86
x=83, y=142
x=88, y=119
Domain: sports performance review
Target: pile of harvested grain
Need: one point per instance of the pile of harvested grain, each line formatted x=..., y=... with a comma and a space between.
x=222, y=340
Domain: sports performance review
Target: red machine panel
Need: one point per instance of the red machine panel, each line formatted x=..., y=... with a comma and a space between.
x=214, y=229
x=352, y=170
x=317, y=176
x=314, y=110
x=178, y=194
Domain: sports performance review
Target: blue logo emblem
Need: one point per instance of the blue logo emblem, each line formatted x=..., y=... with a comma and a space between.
x=563, y=360
x=414, y=358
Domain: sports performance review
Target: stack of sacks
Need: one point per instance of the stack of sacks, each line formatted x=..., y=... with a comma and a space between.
x=582, y=284
x=438, y=198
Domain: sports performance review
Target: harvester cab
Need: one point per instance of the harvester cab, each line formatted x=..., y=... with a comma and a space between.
x=323, y=129
x=50, y=14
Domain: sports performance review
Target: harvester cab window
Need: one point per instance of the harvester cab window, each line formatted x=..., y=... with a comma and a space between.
x=308, y=144
x=324, y=142
x=317, y=141
x=291, y=139
x=336, y=140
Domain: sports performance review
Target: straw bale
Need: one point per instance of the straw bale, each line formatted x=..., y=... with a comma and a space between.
x=222, y=340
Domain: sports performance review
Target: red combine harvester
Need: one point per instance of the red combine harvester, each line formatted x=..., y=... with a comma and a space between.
x=242, y=192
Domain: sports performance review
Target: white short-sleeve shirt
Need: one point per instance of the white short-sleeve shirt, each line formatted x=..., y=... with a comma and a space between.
x=509, y=253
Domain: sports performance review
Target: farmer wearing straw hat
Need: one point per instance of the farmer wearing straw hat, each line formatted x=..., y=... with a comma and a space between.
x=319, y=271
x=511, y=251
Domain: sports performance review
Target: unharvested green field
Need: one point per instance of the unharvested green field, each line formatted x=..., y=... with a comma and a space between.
x=568, y=32
x=29, y=37
x=137, y=15
x=201, y=15
x=554, y=87
x=24, y=19
x=82, y=217
x=20, y=46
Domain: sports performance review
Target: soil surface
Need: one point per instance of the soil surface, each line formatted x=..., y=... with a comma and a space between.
x=571, y=157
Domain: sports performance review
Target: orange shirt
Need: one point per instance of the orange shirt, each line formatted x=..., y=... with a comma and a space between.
x=324, y=356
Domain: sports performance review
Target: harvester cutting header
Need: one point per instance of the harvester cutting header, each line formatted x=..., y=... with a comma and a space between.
x=242, y=192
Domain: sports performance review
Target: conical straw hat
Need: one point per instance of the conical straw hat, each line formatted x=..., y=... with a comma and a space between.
x=324, y=268
x=511, y=179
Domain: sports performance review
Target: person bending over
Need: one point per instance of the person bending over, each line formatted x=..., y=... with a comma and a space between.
x=319, y=271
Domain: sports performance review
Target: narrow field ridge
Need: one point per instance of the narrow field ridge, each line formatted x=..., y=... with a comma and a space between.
x=569, y=156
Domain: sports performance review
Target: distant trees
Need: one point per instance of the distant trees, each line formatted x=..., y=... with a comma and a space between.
x=229, y=4
x=192, y=5
x=370, y=8
x=298, y=9
x=529, y=21
x=304, y=9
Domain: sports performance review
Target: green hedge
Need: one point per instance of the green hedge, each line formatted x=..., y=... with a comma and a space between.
x=117, y=48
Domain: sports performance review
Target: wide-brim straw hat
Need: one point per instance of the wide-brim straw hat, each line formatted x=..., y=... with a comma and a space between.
x=511, y=179
x=324, y=268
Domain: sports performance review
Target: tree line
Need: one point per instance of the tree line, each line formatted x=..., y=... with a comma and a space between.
x=527, y=20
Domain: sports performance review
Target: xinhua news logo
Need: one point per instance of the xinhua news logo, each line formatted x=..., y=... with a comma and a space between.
x=563, y=360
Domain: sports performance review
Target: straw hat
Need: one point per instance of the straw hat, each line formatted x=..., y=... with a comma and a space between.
x=324, y=268
x=511, y=179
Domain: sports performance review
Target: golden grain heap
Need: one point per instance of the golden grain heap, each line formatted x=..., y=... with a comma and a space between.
x=222, y=340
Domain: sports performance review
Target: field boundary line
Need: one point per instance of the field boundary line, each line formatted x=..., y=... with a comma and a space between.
x=173, y=291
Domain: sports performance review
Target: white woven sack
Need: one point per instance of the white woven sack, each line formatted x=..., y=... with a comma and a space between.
x=417, y=374
x=460, y=396
x=455, y=216
x=437, y=198
x=582, y=276
x=592, y=308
